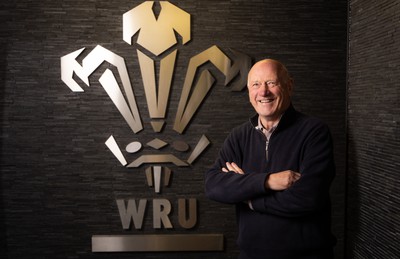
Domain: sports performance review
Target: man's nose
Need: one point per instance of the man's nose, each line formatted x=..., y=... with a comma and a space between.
x=264, y=88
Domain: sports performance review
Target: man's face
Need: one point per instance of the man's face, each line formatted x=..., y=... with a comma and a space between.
x=269, y=94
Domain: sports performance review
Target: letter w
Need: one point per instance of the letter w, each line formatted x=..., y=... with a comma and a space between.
x=133, y=212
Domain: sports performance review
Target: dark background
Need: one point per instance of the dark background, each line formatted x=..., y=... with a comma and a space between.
x=373, y=115
x=59, y=181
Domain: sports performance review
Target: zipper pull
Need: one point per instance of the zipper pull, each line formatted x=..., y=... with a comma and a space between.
x=266, y=149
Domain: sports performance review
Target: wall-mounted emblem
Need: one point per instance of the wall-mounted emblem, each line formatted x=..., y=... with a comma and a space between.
x=157, y=55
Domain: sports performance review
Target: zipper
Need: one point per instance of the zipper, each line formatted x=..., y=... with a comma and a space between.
x=267, y=140
x=266, y=143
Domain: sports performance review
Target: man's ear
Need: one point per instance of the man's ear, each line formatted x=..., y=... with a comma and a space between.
x=290, y=85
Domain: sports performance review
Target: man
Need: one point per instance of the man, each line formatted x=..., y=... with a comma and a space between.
x=277, y=168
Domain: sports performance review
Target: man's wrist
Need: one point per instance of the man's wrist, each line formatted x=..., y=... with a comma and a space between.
x=266, y=183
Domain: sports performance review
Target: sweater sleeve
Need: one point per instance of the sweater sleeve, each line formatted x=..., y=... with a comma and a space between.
x=311, y=192
x=229, y=187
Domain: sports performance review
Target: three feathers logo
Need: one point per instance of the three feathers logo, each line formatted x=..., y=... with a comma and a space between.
x=157, y=35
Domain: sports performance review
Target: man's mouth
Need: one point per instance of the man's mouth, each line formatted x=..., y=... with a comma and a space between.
x=268, y=100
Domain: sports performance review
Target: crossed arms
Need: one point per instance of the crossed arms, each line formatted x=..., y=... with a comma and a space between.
x=277, y=181
x=298, y=189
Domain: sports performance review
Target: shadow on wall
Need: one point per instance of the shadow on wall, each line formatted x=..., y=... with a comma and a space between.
x=353, y=200
x=3, y=240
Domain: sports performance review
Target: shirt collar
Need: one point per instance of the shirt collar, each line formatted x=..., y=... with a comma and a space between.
x=266, y=132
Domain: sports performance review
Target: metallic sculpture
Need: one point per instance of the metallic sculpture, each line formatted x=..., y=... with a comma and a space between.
x=156, y=35
x=90, y=63
x=143, y=21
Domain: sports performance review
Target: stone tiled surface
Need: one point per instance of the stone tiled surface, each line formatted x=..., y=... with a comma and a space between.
x=373, y=130
x=59, y=182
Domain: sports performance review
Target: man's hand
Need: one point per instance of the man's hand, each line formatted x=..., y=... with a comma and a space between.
x=281, y=180
x=232, y=167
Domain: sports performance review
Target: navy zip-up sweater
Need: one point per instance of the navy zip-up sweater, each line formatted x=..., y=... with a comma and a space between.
x=283, y=224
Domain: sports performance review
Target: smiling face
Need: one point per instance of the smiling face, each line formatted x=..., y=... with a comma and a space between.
x=270, y=88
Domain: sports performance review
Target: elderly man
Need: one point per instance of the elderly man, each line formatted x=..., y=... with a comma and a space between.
x=277, y=169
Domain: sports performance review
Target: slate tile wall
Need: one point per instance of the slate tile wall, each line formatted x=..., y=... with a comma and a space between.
x=59, y=181
x=373, y=130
